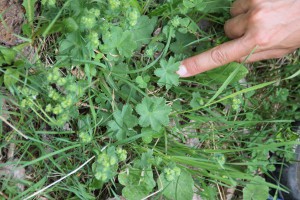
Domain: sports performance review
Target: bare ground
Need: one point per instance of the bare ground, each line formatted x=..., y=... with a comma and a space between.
x=12, y=16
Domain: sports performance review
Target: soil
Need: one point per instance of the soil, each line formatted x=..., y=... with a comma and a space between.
x=12, y=18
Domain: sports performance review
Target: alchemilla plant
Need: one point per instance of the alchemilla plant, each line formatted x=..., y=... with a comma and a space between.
x=102, y=84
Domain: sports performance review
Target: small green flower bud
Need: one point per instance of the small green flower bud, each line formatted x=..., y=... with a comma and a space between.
x=114, y=4
x=88, y=21
x=113, y=160
x=122, y=154
x=57, y=110
x=48, y=108
x=176, y=21
x=23, y=103
x=95, y=12
x=85, y=137
x=61, y=81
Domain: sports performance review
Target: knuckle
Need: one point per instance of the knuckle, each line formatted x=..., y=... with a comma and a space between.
x=259, y=12
x=254, y=2
x=262, y=39
x=232, y=11
x=227, y=28
x=256, y=16
x=218, y=57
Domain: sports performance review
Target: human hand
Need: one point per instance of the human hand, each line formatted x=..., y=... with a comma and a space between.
x=268, y=28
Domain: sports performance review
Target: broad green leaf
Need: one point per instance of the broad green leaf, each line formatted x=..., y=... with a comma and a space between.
x=127, y=45
x=74, y=45
x=29, y=7
x=143, y=29
x=7, y=55
x=149, y=134
x=197, y=100
x=180, y=45
x=123, y=123
x=145, y=161
x=256, y=189
x=138, y=183
x=11, y=77
x=141, y=82
x=153, y=112
x=219, y=75
x=167, y=73
x=179, y=189
x=134, y=192
x=119, y=40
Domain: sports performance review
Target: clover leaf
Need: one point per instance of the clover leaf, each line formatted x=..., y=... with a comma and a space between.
x=153, y=112
x=167, y=73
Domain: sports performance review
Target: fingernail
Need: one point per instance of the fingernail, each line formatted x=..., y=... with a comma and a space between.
x=182, y=71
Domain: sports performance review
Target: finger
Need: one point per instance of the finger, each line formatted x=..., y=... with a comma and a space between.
x=218, y=56
x=239, y=7
x=236, y=27
x=265, y=55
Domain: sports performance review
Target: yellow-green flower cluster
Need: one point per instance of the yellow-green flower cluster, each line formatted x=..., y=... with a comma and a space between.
x=132, y=16
x=93, y=38
x=236, y=103
x=85, y=137
x=172, y=173
x=95, y=12
x=122, y=154
x=114, y=4
x=176, y=21
x=29, y=96
x=106, y=165
x=63, y=96
x=88, y=21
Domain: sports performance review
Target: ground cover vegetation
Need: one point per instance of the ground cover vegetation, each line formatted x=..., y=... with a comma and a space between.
x=97, y=93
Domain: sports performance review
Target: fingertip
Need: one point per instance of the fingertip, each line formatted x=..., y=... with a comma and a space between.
x=182, y=71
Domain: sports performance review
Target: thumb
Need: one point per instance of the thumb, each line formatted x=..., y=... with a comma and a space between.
x=218, y=56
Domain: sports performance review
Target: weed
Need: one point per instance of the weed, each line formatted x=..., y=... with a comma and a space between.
x=106, y=94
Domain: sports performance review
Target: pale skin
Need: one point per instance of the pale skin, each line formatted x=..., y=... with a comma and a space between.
x=259, y=29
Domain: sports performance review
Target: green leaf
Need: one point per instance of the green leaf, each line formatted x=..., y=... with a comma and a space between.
x=179, y=189
x=256, y=189
x=167, y=73
x=127, y=45
x=70, y=25
x=120, y=40
x=143, y=29
x=75, y=46
x=7, y=55
x=29, y=7
x=141, y=82
x=138, y=183
x=219, y=75
x=11, y=77
x=145, y=161
x=179, y=46
x=149, y=134
x=123, y=123
x=197, y=100
x=188, y=4
x=153, y=112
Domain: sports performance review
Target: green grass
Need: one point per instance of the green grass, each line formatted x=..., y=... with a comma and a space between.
x=69, y=113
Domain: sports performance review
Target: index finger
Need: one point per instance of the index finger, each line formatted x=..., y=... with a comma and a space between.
x=218, y=56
